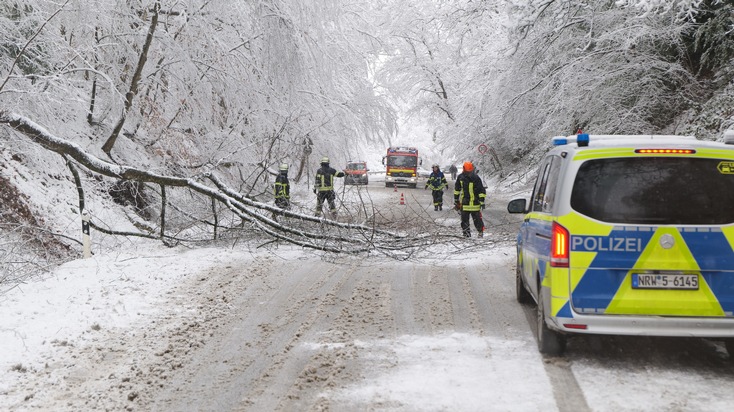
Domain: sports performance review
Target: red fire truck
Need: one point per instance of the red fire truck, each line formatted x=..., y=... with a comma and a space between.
x=401, y=164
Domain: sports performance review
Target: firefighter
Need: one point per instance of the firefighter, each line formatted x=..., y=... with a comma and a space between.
x=282, y=188
x=469, y=196
x=324, y=186
x=437, y=182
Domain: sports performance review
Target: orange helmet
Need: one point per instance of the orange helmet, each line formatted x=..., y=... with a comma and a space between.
x=468, y=166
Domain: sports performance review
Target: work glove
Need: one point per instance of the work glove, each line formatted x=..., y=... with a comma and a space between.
x=457, y=206
x=482, y=206
x=314, y=191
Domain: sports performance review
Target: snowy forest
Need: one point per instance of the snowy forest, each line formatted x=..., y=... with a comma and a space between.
x=180, y=111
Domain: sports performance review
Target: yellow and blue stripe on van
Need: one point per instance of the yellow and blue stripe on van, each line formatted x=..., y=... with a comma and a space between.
x=604, y=258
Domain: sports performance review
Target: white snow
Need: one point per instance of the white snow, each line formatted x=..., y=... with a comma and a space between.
x=457, y=372
x=111, y=290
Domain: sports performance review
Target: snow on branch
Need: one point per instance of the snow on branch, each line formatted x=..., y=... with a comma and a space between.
x=684, y=9
x=40, y=135
x=306, y=231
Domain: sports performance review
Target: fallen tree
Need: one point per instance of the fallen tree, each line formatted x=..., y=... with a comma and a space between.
x=299, y=229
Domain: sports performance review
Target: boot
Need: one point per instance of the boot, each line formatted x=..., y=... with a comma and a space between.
x=435, y=208
x=440, y=207
x=480, y=234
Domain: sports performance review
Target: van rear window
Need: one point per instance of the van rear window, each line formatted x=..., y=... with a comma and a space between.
x=655, y=190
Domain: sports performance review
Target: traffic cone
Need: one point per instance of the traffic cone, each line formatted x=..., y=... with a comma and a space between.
x=395, y=187
x=402, y=199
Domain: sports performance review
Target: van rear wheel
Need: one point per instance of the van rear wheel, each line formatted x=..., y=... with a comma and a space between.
x=550, y=342
x=522, y=294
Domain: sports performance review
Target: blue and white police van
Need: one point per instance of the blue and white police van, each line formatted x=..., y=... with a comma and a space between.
x=629, y=235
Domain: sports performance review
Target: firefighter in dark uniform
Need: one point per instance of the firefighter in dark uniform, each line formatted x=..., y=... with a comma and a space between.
x=324, y=187
x=282, y=190
x=437, y=182
x=469, y=196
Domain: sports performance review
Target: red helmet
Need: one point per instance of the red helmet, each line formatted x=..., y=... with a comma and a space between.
x=468, y=166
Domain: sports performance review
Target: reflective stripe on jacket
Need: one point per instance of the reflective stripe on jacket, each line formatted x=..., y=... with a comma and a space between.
x=469, y=191
x=282, y=187
x=437, y=181
x=325, y=179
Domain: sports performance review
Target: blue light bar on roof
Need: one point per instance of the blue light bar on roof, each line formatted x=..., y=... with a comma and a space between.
x=561, y=140
x=581, y=139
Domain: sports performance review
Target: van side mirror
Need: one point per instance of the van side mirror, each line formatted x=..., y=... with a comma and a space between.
x=517, y=206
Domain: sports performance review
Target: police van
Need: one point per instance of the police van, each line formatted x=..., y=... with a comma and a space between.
x=629, y=235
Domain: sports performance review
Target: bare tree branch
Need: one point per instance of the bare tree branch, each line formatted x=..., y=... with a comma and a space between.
x=22, y=51
x=134, y=83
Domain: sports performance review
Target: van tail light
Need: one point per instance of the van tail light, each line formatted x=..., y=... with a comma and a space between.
x=559, y=246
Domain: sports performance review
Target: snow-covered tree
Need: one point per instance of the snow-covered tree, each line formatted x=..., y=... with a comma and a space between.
x=517, y=72
x=192, y=88
x=200, y=81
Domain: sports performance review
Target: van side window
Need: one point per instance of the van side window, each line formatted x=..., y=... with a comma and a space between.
x=550, y=187
x=545, y=191
x=539, y=192
x=536, y=187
